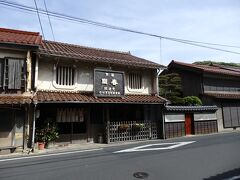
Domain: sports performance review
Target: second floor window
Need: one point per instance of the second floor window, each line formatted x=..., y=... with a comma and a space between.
x=12, y=73
x=135, y=81
x=65, y=75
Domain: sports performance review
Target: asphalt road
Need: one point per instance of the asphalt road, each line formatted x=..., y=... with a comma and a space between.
x=205, y=157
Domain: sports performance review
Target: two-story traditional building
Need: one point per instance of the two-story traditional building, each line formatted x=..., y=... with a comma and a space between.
x=214, y=85
x=94, y=94
x=16, y=54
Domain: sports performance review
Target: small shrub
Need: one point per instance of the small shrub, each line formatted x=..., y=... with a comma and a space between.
x=137, y=126
x=192, y=100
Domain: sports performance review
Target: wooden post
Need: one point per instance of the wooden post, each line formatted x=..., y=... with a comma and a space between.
x=88, y=123
x=108, y=123
x=71, y=132
x=14, y=128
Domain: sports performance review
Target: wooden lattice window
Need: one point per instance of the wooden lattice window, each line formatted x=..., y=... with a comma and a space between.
x=135, y=81
x=65, y=75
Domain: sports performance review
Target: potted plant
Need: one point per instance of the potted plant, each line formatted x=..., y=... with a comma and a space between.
x=40, y=138
x=51, y=134
x=45, y=136
x=123, y=127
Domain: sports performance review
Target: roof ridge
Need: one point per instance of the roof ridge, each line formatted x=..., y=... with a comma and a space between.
x=191, y=64
x=19, y=31
x=208, y=68
x=88, y=47
x=230, y=68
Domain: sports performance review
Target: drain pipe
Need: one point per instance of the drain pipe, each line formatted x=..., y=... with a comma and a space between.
x=33, y=125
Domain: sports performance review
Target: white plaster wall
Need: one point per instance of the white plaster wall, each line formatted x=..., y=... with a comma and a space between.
x=12, y=53
x=219, y=119
x=147, y=84
x=84, y=76
x=46, y=77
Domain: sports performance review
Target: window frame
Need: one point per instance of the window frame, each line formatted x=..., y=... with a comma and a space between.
x=68, y=87
x=23, y=78
x=142, y=82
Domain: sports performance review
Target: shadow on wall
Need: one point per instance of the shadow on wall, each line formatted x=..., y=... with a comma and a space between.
x=232, y=174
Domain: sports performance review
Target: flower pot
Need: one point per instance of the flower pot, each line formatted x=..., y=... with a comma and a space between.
x=41, y=145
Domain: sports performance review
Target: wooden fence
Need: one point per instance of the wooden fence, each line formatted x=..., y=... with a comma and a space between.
x=205, y=127
x=175, y=129
x=132, y=130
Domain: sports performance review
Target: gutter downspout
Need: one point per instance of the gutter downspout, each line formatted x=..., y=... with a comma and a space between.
x=33, y=126
x=36, y=72
x=159, y=70
x=162, y=109
x=157, y=83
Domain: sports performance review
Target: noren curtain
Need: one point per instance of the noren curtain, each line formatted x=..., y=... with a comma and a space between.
x=70, y=115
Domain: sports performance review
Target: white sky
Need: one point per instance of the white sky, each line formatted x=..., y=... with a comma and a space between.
x=216, y=21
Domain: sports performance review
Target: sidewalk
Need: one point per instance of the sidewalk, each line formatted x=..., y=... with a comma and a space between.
x=60, y=148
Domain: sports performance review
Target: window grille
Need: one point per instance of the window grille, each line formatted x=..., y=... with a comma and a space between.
x=135, y=81
x=65, y=75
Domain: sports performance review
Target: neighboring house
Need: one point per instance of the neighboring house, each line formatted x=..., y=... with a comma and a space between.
x=188, y=120
x=214, y=85
x=96, y=95
x=16, y=57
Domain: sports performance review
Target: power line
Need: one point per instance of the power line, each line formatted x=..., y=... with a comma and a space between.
x=104, y=25
x=39, y=19
x=203, y=46
x=199, y=42
x=49, y=19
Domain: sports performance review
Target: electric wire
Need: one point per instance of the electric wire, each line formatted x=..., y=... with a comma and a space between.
x=39, y=19
x=104, y=25
x=49, y=20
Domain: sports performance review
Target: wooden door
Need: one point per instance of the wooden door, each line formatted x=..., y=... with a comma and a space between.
x=188, y=124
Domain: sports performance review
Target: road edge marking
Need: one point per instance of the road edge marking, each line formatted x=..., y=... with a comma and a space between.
x=172, y=145
x=50, y=154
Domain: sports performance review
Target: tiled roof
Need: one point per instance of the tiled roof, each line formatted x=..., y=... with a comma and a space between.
x=223, y=95
x=88, y=54
x=208, y=68
x=11, y=36
x=61, y=97
x=237, y=69
x=191, y=108
x=15, y=99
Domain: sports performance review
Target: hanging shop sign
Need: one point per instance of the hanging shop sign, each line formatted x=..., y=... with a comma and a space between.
x=108, y=83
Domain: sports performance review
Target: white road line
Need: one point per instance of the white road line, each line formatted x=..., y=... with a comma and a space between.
x=46, y=155
x=145, y=147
